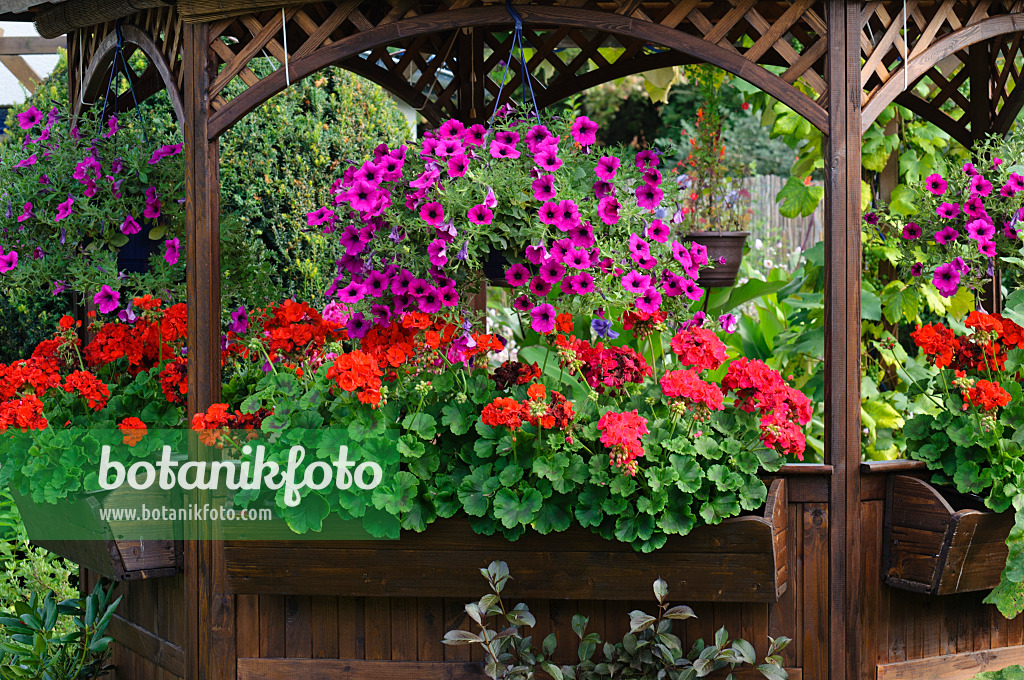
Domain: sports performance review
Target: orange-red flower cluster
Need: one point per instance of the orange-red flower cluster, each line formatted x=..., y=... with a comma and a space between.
x=92, y=389
x=556, y=414
x=357, y=371
x=157, y=335
x=699, y=348
x=642, y=323
x=622, y=433
x=783, y=409
x=133, y=430
x=173, y=379
x=983, y=351
x=219, y=419
x=986, y=395
x=293, y=328
x=696, y=394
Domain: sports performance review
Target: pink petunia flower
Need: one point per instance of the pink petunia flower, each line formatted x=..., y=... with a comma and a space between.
x=130, y=226
x=911, y=231
x=948, y=210
x=946, y=235
x=584, y=131
x=172, y=251
x=64, y=209
x=542, y=318
x=30, y=118
x=649, y=301
x=544, y=188
x=107, y=300
x=480, y=214
x=436, y=253
x=987, y=248
x=517, y=275
x=607, y=167
x=648, y=196
x=980, y=186
x=26, y=212
x=947, y=279
x=935, y=184
x=432, y=213
x=608, y=210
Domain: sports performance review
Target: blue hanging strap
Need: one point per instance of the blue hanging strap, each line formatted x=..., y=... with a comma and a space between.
x=517, y=40
x=119, y=54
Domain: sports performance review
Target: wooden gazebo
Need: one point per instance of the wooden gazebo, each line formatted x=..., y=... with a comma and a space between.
x=260, y=612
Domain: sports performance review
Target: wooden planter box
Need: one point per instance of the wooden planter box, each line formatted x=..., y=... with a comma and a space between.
x=939, y=542
x=743, y=559
x=105, y=547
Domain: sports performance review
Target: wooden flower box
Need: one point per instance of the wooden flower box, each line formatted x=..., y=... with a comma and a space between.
x=939, y=542
x=743, y=559
x=76, y=532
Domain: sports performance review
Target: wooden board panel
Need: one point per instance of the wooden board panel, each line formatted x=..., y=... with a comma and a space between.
x=815, y=627
x=354, y=669
x=952, y=666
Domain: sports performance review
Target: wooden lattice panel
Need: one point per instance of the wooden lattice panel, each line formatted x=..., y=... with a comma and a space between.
x=447, y=58
x=162, y=26
x=937, y=45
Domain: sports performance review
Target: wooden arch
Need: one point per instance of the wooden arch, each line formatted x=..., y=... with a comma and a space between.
x=919, y=65
x=307, y=60
x=158, y=75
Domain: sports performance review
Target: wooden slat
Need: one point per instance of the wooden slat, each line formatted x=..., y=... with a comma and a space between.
x=952, y=666
x=355, y=669
x=21, y=45
x=143, y=642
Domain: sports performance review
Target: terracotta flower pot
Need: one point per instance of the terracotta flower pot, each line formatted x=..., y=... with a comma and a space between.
x=727, y=244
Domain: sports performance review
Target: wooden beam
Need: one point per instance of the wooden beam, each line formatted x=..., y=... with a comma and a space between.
x=952, y=666
x=162, y=653
x=25, y=74
x=30, y=44
x=842, y=334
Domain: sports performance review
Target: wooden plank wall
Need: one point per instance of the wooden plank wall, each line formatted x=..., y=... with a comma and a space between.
x=410, y=629
x=899, y=626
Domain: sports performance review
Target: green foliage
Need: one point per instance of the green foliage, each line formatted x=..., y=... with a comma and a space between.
x=1008, y=673
x=649, y=649
x=32, y=644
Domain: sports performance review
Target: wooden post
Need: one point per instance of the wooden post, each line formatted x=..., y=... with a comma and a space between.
x=210, y=652
x=842, y=335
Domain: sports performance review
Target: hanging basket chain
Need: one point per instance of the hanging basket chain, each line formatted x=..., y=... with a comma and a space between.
x=119, y=54
x=517, y=40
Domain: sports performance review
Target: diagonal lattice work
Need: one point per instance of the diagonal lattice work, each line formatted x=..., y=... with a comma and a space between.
x=922, y=54
x=449, y=58
x=89, y=50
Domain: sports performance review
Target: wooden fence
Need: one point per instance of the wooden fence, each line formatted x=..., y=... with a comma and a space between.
x=780, y=236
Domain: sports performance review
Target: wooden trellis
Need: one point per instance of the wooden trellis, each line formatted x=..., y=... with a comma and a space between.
x=13, y=48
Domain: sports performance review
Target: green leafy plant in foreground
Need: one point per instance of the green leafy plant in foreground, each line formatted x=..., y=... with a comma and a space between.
x=648, y=650
x=33, y=645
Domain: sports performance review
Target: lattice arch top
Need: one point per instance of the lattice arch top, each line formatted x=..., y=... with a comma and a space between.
x=446, y=59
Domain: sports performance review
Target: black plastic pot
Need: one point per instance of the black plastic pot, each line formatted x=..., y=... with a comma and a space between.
x=727, y=244
x=134, y=256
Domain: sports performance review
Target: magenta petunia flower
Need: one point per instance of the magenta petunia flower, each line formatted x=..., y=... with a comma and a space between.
x=480, y=214
x=451, y=128
x=430, y=302
x=582, y=283
x=8, y=261
x=638, y=246
x=1015, y=182
x=692, y=290
x=648, y=196
x=948, y=210
x=969, y=169
x=582, y=235
x=699, y=254
x=651, y=176
x=542, y=318
x=607, y=167
x=517, y=275
x=164, y=152
x=974, y=207
x=935, y=184
x=1010, y=231
x=947, y=279
x=649, y=301
x=635, y=282
x=536, y=254
x=602, y=189
x=728, y=323
x=432, y=213
x=577, y=258
x=560, y=249
x=318, y=217
x=26, y=212
x=584, y=131
x=449, y=296
x=547, y=159
x=30, y=118
x=474, y=135
x=522, y=303
x=240, y=319
x=499, y=150
x=946, y=235
x=911, y=231
x=871, y=218
x=26, y=162
x=358, y=326
x=987, y=248
x=959, y=264
x=980, y=186
x=537, y=136
x=458, y=164
x=916, y=268
x=552, y=272
x=352, y=293
x=647, y=159
x=544, y=188
x=548, y=212
x=172, y=251
x=362, y=196
x=539, y=287
x=608, y=210
x=981, y=230
x=436, y=253
x=130, y=226
x=64, y=209
x=107, y=300
x=568, y=215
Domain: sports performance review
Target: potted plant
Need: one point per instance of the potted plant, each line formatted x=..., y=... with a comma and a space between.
x=710, y=202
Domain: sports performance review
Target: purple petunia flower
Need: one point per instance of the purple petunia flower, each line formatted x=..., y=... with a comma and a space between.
x=240, y=319
x=948, y=210
x=24, y=163
x=164, y=152
x=517, y=275
x=648, y=196
x=692, y=290
x=26, y=212
x=728, y=322
x=432, y=213
x=981, y=230
x=916, y=268
x=658, y=231
x=547, y=159
x=8, y=261
x=911, y=231
x=542, y=318
x=107, y=299
x=172, y=251
x=436, y=253
x=635, y=282
x=608, y=210
x=130, y=226
x=871, y=218
x=607, y=167
x=935, y=184
x=987, y=248
x=540, y=287
x=358, y=326
x=602, y=189
x=649, y=301
x=946, y=279
x=946, y=235
x=552, y=272
x=480, y=214
x=544, y=188
x=647, y=159
x=64, y=209
x=980, y=186
x=584, y=131
x=458, y=164
x=499, y=150
x=30, y=118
